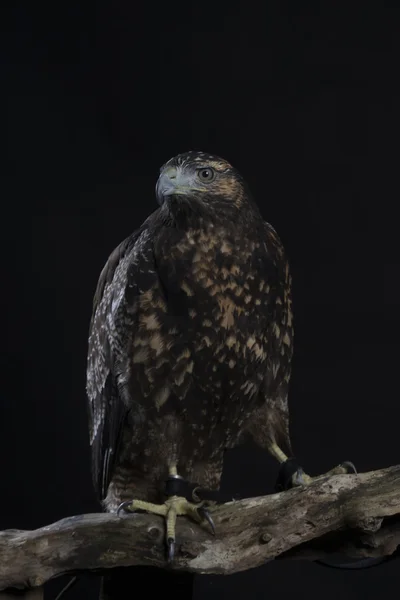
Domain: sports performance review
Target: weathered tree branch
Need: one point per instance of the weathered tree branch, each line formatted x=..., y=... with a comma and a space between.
x=357, y=515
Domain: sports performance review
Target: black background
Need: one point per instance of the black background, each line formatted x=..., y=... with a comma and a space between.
x=305, y=103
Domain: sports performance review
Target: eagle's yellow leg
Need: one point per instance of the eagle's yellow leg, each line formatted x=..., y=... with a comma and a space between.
x=277, y=453
x=173, y=507
x=300, y=477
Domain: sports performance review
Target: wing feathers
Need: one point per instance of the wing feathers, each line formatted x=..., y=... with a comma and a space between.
x=107, y=411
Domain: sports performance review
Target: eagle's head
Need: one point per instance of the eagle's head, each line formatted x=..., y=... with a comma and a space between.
x=196, y=183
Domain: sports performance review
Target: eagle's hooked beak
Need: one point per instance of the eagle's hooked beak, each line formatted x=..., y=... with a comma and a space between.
x=170, y=183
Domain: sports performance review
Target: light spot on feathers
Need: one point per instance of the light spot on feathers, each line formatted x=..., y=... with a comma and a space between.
x=239, y=291
x=151, y=322
x=214, y=290
x=141, y=355
x=258, y=351
x=146, y=298
x=228, y=320
x=226, y=248
x=161, y=397
x=207, y=283
x=249, y=387
x=250, y=342
x=157, y=343
x=197, y=257
x=231, y=363
x=231, y=340
x=227, y=308
x=159, y=303
x=180, y=377
x=184, y=354
x=188, y=290
x=225, y=273
x=286, y=339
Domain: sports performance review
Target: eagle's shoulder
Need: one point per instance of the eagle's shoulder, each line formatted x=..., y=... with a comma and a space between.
x=119, y=284
x=131, y=245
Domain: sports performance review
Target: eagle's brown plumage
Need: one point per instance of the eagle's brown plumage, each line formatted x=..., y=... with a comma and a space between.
x=191, y=337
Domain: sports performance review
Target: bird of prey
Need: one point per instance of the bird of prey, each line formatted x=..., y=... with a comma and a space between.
x=190, y=344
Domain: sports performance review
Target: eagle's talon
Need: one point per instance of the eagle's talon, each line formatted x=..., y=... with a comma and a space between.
x=125, y=507
x=205, y=514
x=171, y=549
x=345, y=468
x=349, y=466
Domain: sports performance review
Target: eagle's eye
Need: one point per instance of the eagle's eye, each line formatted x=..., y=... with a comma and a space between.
x=206, y=174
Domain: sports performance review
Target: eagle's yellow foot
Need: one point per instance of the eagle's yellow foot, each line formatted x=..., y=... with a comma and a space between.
x=173, y=507
x=291, y=473
x=345, y=468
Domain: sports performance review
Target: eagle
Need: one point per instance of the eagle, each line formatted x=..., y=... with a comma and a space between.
x=190, y=346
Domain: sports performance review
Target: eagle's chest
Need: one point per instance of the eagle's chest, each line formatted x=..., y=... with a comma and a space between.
x=200, y=333
x=216, y=294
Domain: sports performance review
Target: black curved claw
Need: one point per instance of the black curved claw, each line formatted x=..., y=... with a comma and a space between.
x=204, y=514
x=124, y=506
x=349, y=466
x=171, y=549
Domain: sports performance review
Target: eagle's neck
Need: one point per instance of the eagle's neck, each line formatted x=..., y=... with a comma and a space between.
x=194, y=214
